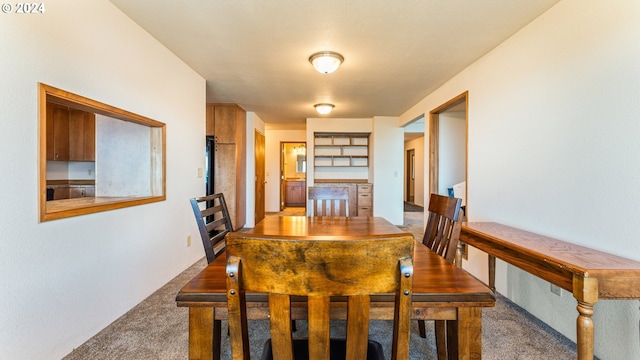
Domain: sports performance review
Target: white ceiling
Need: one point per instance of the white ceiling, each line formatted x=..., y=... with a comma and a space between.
x=255, y=53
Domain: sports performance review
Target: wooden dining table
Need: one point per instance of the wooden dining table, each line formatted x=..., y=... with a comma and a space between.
x=441, y=291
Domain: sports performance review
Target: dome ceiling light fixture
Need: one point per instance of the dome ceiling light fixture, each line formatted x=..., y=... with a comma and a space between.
x=326, y=62
x=323, y=108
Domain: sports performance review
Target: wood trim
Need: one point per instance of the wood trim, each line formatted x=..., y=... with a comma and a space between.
x=75, y=101
x=346, y=181
x=433, y=139
x=58, y=209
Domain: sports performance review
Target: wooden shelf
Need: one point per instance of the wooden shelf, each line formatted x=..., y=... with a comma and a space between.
x=341, y=150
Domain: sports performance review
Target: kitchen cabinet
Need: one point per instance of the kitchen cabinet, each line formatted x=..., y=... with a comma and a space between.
x=295, y=192
x=228, y=122
x=82, y=135
x=57, y=132
x=60, y=192
x=221, y=122
x=81, y=191
x=71, y=134
x=71, y=189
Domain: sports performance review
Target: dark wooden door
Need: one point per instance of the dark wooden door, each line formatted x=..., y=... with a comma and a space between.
x=260, y=177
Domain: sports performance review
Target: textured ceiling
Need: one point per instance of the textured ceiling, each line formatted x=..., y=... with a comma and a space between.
x=255, y=53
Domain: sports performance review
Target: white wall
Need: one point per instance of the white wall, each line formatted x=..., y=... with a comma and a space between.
x=553, y=149
x=419, y=170
x=386, y=152
x=254, y=123
x=452, y=147
x=65, y=280
x=272, y=160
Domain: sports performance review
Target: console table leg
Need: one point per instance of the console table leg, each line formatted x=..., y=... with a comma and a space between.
x=584, y=325
x=492, y=273
x=585, y=290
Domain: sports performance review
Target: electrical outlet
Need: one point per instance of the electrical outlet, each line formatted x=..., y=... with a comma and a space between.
x=188, y=240
x=556, y=290
x=199, y=172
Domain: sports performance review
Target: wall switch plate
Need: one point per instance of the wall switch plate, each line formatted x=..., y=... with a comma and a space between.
x=199, y=172
x=556, y=290
x=188, y=240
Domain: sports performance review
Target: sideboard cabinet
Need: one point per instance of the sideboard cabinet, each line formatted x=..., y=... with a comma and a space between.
x=360, y=195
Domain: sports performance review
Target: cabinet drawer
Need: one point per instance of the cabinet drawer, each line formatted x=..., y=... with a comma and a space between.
x=364, y=200
x=365, y=188
x=365, y=211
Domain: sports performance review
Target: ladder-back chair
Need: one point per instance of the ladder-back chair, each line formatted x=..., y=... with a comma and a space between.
x=328, y=201
x=441, y=235
x=319, y=269
x=213, y=222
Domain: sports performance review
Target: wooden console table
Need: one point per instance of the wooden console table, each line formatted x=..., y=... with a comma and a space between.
x=588, y=274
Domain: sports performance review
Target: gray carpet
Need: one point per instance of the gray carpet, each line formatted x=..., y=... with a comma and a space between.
x=409, y=207
x=158, y=329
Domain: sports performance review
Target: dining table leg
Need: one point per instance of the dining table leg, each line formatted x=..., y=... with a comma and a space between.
x=464, y=336
x=204, y=334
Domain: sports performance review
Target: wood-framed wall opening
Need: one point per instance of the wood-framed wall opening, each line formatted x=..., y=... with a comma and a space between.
x=459, y=102
x=110, y=197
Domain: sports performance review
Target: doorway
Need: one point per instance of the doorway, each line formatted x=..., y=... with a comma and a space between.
x=411, y=176
x=293, y=174
x=414, y=162
x=448, y=128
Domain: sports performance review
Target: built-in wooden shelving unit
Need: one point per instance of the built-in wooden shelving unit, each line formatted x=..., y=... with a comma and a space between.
x=341, y=150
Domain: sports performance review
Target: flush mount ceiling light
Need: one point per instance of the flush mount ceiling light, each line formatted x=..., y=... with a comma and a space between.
x=326, y=62
x=323, y=109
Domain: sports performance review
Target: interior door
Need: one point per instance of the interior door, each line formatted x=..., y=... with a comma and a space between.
x=260, y=177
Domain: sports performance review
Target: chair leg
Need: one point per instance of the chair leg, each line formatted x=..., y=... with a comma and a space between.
x=421, y=328
x=441, y=339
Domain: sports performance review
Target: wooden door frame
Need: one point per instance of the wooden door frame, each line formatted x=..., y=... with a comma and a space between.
x=260, y=183
x=434, y=133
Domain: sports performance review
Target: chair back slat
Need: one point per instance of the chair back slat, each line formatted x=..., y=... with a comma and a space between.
x=319, y=269
x=214, y=223
x=319, y=326
x=443, y=226
x=328, y=201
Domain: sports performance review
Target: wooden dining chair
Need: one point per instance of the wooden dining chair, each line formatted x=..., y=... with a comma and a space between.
x=319, y=269
x=441, y=235
x=214, y=223
x=328, y=201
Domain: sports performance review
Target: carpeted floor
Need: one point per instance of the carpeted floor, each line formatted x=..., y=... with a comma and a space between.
x=409, y=207
x=158, y=329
